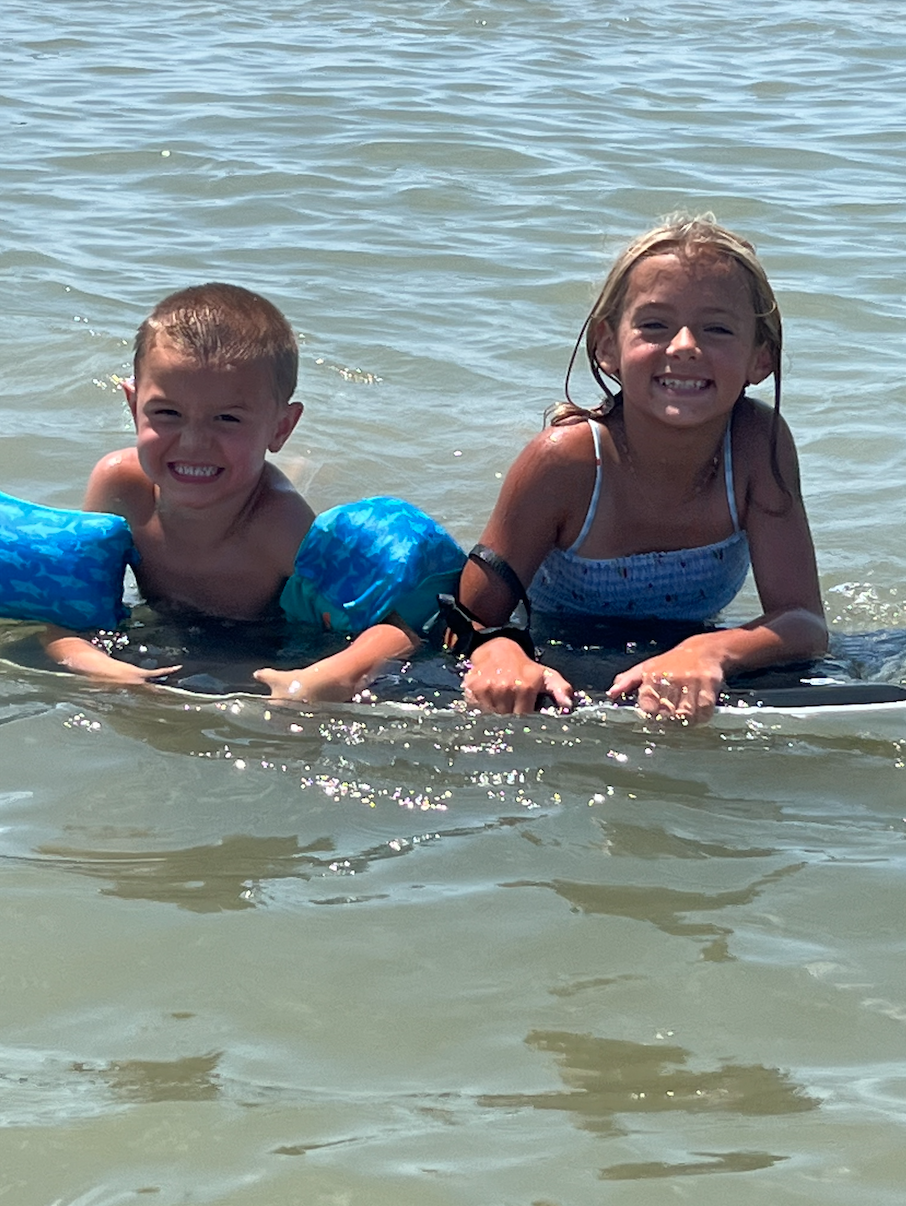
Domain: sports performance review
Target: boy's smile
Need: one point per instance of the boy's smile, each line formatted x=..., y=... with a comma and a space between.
x=190, y=472
x=203, y=431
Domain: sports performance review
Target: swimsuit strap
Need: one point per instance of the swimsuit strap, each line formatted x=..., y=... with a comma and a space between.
x=596, y=493
x=728, y=477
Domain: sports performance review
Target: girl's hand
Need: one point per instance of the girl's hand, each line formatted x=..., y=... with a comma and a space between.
x=682, y=684
x=502, y=679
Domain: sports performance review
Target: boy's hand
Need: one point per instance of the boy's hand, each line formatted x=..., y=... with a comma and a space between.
x=283, y=684
x=343, y=675
x=76, y=654
x=128, y=675
x=305, y=686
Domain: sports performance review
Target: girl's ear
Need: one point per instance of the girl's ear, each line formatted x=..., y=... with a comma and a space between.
x=606, y=352
x=290, y=415
x=761, y=365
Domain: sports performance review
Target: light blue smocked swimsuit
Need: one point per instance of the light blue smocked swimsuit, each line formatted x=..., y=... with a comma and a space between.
x=683, y=584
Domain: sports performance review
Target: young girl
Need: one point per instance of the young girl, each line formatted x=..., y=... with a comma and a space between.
x=653, y=504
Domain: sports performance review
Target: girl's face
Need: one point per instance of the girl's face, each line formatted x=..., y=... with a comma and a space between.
x=684, y=348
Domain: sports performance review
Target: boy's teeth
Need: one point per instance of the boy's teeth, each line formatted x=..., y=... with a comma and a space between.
x=196, y=470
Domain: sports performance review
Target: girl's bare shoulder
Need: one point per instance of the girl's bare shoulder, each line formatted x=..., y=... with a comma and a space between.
x=763, y=447
x=559, y=451
x=752, y=419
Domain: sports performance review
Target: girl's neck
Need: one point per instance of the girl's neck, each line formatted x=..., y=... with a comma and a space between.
x=690, y=457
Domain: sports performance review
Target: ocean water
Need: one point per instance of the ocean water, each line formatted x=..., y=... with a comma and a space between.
x=357, y=955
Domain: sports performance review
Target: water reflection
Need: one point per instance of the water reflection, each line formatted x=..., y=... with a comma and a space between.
x=640, y=841
x=138, y=1081
x=605, y=1078
x=202, y=879
x=666, y=908
x=714, y=1162
x=237, y=872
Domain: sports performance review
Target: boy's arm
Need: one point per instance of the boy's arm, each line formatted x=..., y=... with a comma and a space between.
x=342, y=675
x=116, y=485
x=76, y=654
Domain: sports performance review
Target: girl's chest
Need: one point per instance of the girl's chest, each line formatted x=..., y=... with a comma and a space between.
x=630, y=519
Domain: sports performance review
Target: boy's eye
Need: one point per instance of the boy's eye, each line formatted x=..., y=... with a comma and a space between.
x=228, y=418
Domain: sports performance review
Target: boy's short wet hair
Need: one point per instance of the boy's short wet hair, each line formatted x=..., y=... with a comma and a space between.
x=218, y=324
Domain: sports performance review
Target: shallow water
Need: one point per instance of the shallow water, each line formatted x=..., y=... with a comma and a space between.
x=386, y=954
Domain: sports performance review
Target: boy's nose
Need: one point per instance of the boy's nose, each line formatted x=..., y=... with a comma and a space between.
x=683, y=341
x=191, y=436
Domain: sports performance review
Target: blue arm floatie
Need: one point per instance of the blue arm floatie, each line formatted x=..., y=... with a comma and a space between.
x=361, y=561
x=63, y=567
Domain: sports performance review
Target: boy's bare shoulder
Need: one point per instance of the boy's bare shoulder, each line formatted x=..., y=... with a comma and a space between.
x=282, y=515
x=118, y=484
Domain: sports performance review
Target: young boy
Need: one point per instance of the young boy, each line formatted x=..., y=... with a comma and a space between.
x=216, y=525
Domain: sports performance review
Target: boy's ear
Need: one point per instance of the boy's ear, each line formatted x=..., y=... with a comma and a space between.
x=761, y=365
x=606, y=350
x=290, y=414
x=128, y=384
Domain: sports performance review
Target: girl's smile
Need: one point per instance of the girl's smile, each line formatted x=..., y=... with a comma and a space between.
x=684, y=347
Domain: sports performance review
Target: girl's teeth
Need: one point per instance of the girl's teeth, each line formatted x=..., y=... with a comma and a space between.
x=683, y=385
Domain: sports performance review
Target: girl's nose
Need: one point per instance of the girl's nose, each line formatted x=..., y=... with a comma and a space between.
x=683, y=341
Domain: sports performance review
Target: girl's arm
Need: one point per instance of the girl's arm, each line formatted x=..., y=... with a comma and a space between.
x=344, y=674
x=684, y=682
x=550, y=480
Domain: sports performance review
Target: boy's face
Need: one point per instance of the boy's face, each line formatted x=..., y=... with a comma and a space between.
x=203, y=433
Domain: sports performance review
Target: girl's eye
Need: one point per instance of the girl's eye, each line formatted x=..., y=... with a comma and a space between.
x=717, y=328
x=652, y=324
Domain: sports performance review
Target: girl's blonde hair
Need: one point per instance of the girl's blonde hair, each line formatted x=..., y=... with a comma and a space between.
x=691, y=238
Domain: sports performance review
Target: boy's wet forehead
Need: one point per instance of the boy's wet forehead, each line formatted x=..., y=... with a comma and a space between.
x=165, y=364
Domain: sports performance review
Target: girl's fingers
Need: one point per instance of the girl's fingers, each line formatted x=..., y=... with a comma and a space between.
x=558, y=688
x=625, y=683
